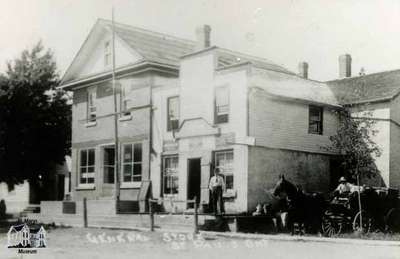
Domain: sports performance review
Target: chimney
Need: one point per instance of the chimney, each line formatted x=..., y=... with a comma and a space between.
x=203, y=37
x=303, y=69
x=344, y=66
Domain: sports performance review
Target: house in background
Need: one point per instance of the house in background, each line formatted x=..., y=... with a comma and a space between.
x=25, y=197
x=185, y=108
x=377, y=94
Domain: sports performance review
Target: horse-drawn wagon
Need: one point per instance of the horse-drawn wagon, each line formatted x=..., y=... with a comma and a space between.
x=380, y=210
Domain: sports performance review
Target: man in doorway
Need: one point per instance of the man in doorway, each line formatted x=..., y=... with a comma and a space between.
x=217, y=188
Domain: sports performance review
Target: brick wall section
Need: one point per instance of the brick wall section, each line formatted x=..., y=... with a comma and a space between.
x=311, y=171
x=279, y=123
x=134, y=130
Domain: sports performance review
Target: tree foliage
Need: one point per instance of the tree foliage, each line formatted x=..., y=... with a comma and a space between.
x=354, y=142
x=35, y=117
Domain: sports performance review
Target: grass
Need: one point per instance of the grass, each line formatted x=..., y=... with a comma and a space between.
x=371, y=236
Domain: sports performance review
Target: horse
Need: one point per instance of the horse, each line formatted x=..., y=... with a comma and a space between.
x=305, y=209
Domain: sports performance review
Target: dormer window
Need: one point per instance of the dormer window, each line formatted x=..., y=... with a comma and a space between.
x=107, y=53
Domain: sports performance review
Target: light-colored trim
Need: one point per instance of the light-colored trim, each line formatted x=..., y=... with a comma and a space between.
x=130, y=185
x=195, y=53
x=125, y=118
x=91, y=124
x=152, y=67
x=286, y=98
x=85, y=187
x=233, y=67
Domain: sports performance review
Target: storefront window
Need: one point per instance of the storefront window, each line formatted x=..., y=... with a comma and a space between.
x=224, y=161
x=170, y=175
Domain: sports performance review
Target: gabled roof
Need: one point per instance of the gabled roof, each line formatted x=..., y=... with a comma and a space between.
x=228, y=58
x=368, y=88
x=158, y=48
x=153, y=46
x=19, y=227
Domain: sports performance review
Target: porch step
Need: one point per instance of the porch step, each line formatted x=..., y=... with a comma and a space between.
x=32, y=208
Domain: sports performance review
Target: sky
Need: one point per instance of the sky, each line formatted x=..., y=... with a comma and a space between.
x=283, y=31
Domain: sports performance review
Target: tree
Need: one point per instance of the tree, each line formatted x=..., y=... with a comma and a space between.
x=35, y=117
x=353, y=141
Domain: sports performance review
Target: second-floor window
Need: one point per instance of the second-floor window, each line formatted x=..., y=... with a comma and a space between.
x=315, y=119
x=221, y=105
x=132, y=162
x=126, y=101
x=91, y=105
x=107, y=53
x=173, y=113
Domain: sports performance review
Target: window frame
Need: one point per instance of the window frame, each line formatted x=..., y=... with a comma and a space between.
x=231, y=170
x=218, y=115
x=319, y=122
x=163, y=168
x=123, y=98
x=80, y=167
x=131, y=163
x=91, y=108
x=104, y=166
x=170, y=124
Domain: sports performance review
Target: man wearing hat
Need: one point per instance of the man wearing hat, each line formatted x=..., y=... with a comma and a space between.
x=217, y=187
x=344, y=187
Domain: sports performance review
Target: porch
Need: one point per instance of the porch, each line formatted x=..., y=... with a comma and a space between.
x=102, y=214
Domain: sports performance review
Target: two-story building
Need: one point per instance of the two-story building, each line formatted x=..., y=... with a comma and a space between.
x=186, y=107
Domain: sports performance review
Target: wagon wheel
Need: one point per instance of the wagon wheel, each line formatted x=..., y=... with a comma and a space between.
x=392, y=220
x=331, y=225
x=366, y=222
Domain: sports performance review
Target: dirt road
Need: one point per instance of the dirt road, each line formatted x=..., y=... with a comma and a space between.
x=100, y=243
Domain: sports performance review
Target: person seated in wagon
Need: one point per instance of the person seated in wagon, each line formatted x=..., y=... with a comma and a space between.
x=344, y=188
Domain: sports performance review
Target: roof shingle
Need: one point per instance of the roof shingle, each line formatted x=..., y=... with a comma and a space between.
x=367, y=88
x=153, y=46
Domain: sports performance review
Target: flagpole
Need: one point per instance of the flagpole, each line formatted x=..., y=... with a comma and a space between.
x=116, y=155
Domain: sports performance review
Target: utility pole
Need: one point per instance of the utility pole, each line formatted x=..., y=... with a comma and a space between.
x=116, y=153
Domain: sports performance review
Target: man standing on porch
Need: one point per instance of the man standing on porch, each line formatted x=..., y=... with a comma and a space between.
x=217, y=187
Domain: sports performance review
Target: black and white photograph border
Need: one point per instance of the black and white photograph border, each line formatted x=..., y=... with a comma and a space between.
x=199, y=129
